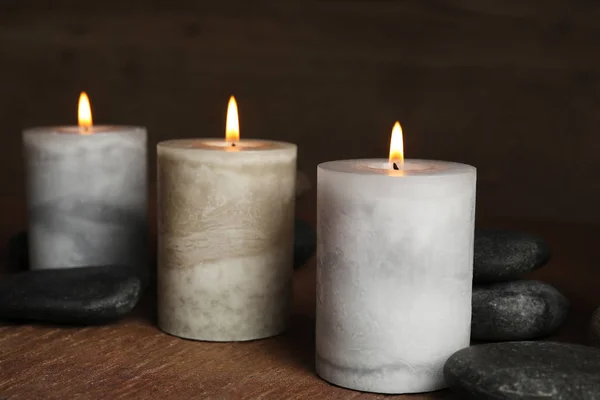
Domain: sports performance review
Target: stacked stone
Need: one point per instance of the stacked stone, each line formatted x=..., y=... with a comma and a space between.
x=507, y=308
x=513, y=310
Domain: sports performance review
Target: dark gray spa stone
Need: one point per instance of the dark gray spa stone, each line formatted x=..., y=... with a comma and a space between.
x=305, y=242
x=86, y=295
x=516, y=310
x=525, y=370
x=595, y=328
x=504, y=255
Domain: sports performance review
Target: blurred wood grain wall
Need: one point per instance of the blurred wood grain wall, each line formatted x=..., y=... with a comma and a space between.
x=512, y=87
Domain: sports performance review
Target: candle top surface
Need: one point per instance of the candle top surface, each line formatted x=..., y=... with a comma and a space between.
x=78, y=130
x=242, y=145
x=410, y=167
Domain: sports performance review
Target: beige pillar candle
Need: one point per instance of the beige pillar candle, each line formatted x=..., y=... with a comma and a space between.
x=225, y=244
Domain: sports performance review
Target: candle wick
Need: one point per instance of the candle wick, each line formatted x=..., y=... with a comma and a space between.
x=233, y=144
x=395, y=166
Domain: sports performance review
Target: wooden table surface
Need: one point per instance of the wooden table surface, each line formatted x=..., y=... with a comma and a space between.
x=134, y=359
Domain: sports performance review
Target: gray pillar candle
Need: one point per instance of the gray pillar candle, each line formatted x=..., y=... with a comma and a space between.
x=394, y=271
x=87, y=196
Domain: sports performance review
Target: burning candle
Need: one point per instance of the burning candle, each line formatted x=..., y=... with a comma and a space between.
x=394, y=270
x=225, y=235
x=87, y=195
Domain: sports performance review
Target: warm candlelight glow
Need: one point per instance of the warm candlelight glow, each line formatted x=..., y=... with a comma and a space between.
x=397, y=147
x=84, y=112
x=232, y=127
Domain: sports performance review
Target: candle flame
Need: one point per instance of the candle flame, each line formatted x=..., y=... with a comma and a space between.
x=84, y=112
x=397, y=146
x=232, y=126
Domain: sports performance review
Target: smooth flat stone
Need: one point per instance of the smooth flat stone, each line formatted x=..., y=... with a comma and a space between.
x=516, y=310
x=305, y=242
x=525, y=370
x=595, y=328
x=86, y=295
x=502, y=255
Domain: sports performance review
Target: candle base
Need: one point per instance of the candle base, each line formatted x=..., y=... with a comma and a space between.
x=389, y=379
x=218, y=302
x=224, y=337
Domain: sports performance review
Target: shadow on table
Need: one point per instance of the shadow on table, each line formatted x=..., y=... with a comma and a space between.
x=297, y=345
x=146, y=308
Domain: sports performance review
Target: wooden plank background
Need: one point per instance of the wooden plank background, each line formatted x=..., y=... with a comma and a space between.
x=511, y=87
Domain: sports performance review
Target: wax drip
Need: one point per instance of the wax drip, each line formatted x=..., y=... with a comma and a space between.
x=395, y=166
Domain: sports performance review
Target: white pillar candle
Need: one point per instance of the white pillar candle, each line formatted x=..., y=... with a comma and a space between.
x=394, y=272
x=86, y=196
x=225, y=237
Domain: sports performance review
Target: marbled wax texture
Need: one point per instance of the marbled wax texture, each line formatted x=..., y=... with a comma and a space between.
x=226, y=226
x=394, y=273
x=87, y=196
